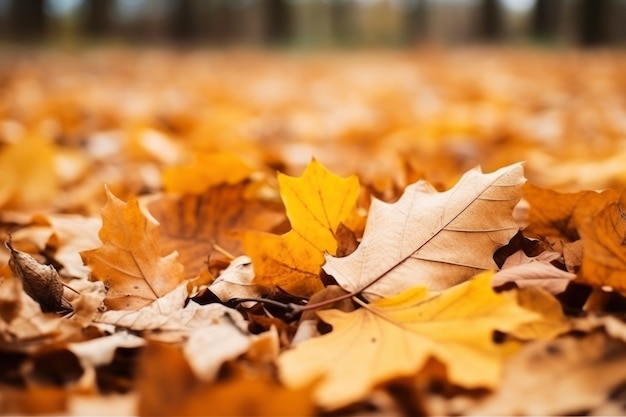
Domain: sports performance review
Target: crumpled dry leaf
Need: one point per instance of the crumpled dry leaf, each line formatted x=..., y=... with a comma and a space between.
x=395, y=336
x=317, y=203
x=431, y=238
x=171, y=317
x=129, y=262
x=236, y=281
x=41, y=282
x=537, y=271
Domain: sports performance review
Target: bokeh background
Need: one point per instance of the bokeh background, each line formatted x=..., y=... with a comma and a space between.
x=315, y=23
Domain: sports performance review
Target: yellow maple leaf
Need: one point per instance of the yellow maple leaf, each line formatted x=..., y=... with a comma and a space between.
x=316, y=204
x=129, y=262
x=395, y=336
x=206, y=170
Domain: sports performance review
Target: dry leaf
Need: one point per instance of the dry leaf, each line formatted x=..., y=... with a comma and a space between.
x=41, y=282
x=558, y=216
x=27, y=173
x=564, y=377
x=205, y=171
x=129, y=262
x=193, y=224
x=534, y=271
x=604, y=252
x=236, y=281
x=209, y=347
x=317, y=203
x=431, y=238
x=171, y=317
x=173, y=389
x=395, y=336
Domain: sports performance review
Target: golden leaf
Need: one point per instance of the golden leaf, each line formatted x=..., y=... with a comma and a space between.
x=395, y=336
x=316, y=203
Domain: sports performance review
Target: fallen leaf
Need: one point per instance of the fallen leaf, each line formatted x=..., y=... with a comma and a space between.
x=558, y=215
x=431, y=238
x=394, y=337
x=22, y=318
x=173, y=389
x=566, y=376
x=236, y=281
x=316, y=203
x=27, y=173
x=129, y=262
x=171, y=317
x=537, y=271
x=193, y=224
x=604, y=252
x=41, y=282
x=205, y=171
x=209, y=347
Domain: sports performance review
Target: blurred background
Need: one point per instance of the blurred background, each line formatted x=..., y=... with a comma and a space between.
x=314, y=23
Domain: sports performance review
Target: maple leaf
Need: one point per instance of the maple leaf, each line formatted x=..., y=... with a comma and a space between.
x=206, y=170
x=604, y=252
x=129, y=261
x=432, y=238
x=316, y=204
x=193, y=224
x=395, y=336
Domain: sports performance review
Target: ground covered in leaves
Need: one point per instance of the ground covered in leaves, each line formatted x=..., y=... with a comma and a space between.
x=247, y=233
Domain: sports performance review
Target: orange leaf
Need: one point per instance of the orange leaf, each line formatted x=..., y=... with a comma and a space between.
x=604, y=248
x=192, y=224
x=206, y=170
x=558, y=215
x=129, y=261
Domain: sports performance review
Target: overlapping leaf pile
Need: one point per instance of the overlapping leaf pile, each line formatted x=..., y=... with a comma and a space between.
x=183, y=248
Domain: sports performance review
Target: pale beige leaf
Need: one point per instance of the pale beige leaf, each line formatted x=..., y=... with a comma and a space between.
x=169, y=314
x=210, y=346
x=537, y=271
x=432, y=238
x=236, y=281
x=564, y=377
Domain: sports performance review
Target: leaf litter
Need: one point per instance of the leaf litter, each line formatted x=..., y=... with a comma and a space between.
x=222, y=283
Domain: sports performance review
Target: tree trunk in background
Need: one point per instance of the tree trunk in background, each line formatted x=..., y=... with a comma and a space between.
x=97, y=18
x=342, y=21
x=491, y=20
x=416, y=18
x=182, y=21
x=277, y=21
x=27, y=19
x=546, y=19
x=593, y=21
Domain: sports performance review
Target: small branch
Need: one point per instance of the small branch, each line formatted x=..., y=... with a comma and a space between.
x=223, y=251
